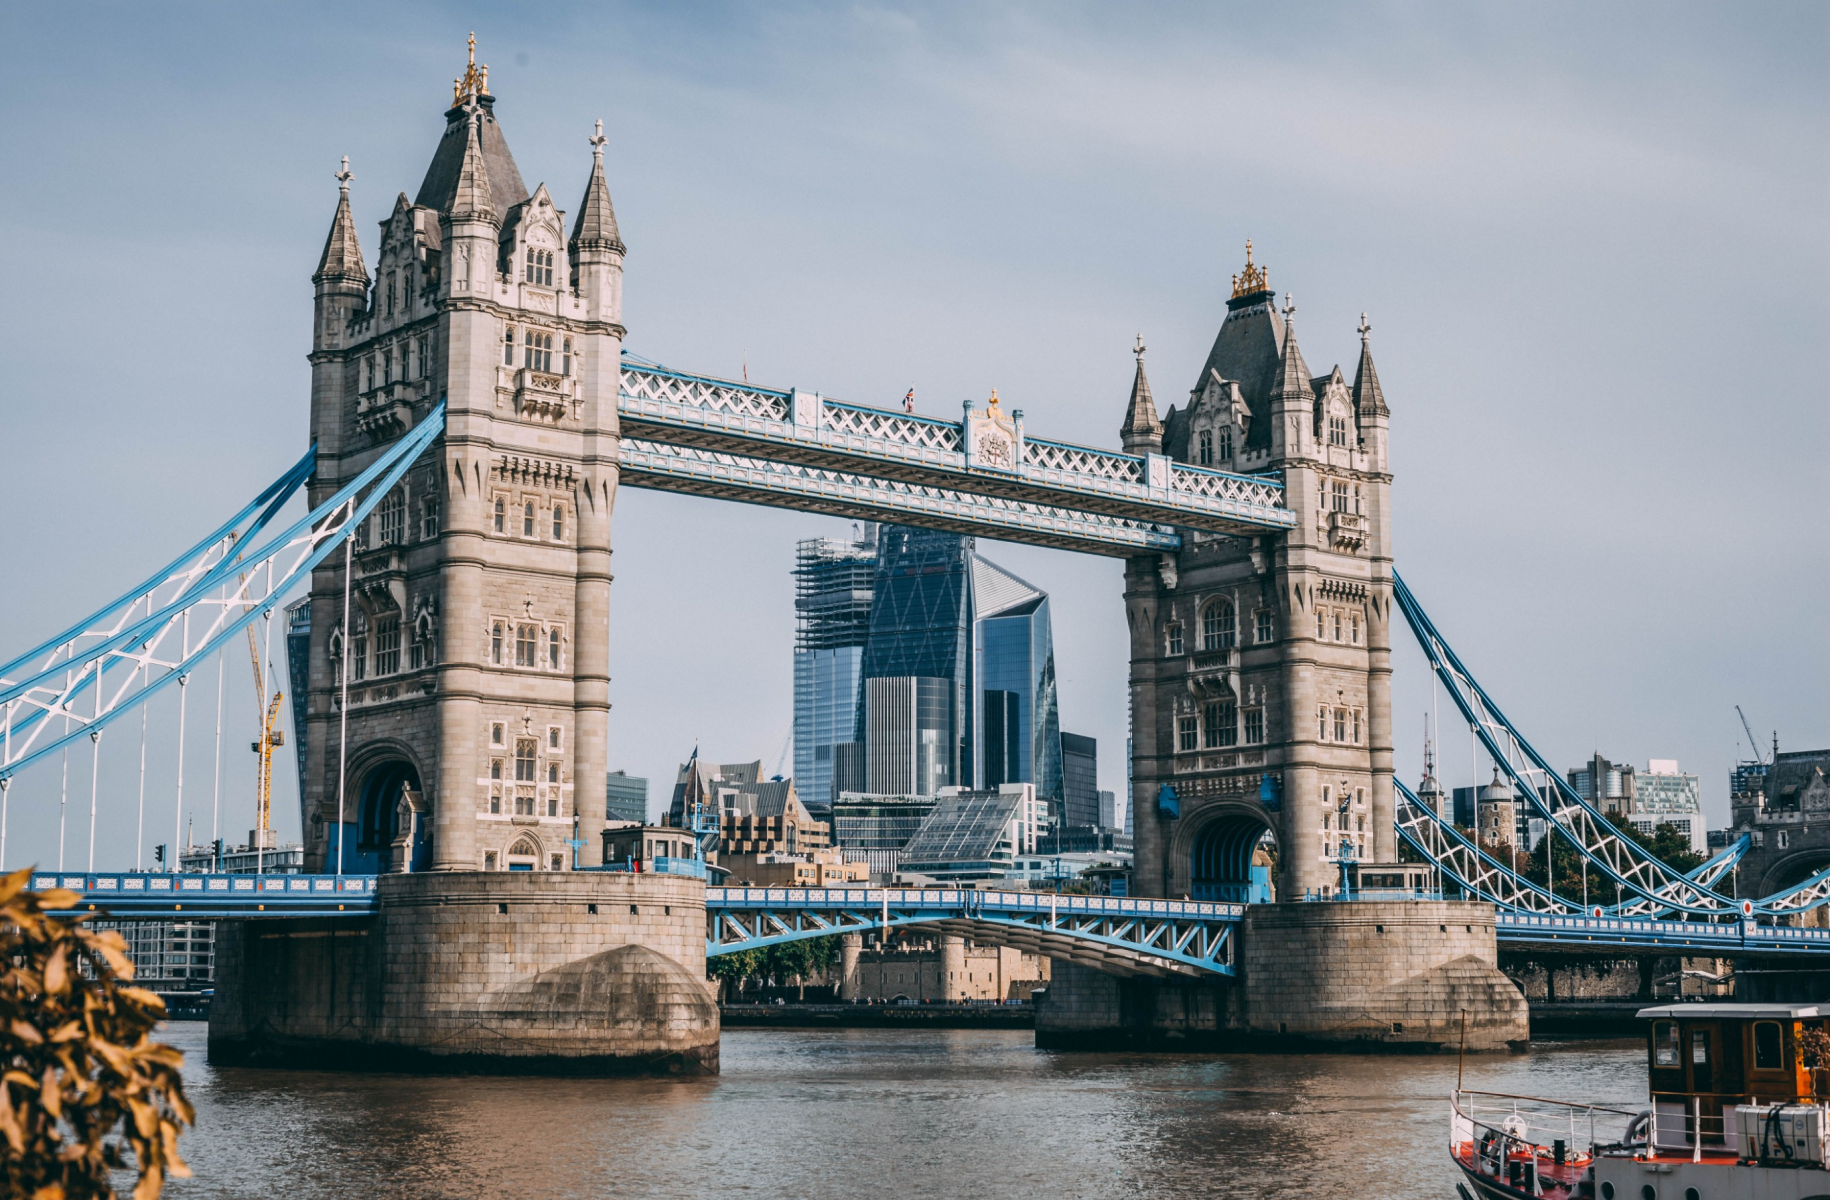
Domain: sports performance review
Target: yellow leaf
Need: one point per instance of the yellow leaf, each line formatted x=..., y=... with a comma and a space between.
x=52, y=1191
x=143, y=998
x=28, y=1033
x=9, y=1121
x=69, y=1031
x=150, y=1185
x=20, y=1077
x=50, y=1098
x=14, y=883
x=57, y=899
x=56, y=972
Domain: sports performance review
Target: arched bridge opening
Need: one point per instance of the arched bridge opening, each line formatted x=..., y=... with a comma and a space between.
x=1232, y=860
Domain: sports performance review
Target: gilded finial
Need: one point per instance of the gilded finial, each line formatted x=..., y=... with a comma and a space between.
x=1364, y=329
x=474, y=81
x=344, y=176
x=994, y=399
x=1253, y=278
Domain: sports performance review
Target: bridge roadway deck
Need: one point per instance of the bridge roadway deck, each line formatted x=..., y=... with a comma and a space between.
x=1116, y=933
x=709, y=436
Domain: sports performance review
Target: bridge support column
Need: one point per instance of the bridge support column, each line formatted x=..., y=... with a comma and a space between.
x=1380, y=976
x=851, y=945
x=531, y=973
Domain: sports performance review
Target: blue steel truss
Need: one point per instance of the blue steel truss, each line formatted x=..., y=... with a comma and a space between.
x=797, y=449
x=1113, y=934
x=1648, y=887
x=96, y=671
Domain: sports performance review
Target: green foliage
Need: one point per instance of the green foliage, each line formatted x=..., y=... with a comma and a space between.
x=780, y=964
x=82, y=1081
x=1666, y=844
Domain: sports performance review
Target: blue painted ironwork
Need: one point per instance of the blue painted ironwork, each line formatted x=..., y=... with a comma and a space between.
x=1112, y=933
x=144, y=641
x=800, y=449
x=1649, y=888
x=196, y=897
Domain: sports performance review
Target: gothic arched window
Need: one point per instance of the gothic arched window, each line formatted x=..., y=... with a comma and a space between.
x=539, y=267
x=559, y=522
x=1337, y=431
x=552, y=649
x=526, y=640
x=1226, y=443
x=501, y=513
x=527, y=519
x=1218, y=629
x=1204, y=442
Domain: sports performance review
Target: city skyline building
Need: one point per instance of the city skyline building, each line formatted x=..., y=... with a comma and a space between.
x=833, y=585
x=975, y=835
x=625, y=798
x=1018, y=721
x=1664, y=795
x=1080, y=794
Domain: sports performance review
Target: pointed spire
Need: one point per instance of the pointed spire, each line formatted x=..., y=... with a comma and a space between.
x=472, y=199
x=1143, y=429
x=1292, y=384
x=595, y=228
x=1368, y=398
x=342, y=257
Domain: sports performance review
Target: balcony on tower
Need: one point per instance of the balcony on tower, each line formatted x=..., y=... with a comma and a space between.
x=543, y=394
x=386, y=412
x=1347, y=530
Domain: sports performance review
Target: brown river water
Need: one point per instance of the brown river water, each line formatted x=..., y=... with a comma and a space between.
x=873, y=1113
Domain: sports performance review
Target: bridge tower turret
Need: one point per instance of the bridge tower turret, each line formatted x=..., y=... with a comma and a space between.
x=477, y=637
x=1260, y=667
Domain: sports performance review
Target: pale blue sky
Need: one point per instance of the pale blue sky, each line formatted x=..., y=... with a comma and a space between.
x=1591, y=240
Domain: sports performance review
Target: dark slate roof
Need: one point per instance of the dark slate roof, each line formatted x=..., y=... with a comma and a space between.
x=506, y=188
x=342, y=257
x=1248, y=349
x=1368, y=397
x=595, y=228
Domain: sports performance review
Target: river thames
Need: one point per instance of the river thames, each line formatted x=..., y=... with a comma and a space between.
x=872, y=1113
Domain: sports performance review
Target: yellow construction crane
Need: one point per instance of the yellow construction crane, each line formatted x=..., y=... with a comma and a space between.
x=268, y=713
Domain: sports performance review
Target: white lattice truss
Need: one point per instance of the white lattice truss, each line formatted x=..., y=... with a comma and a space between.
x=697, y=471
x=1648, y=887
x=1160, y=938
x=113, y=660
x=663, y=406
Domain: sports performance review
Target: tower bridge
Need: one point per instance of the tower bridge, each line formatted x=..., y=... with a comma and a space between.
x=473, y=412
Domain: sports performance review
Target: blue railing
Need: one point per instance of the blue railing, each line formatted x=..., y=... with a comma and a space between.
x=187, y=895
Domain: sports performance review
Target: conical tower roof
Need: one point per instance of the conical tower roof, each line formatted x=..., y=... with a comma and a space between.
x=1292, y=382
x=1368, y=397
x=595, y=228
x=472, y=112
x=342, y=257
x=1142, y=425
x=471, y=196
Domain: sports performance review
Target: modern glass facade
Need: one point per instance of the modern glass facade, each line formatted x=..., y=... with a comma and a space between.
x=833, y=580
x=1018, y=718
x=920, y=624
x=625, y=798
x=1080, y=794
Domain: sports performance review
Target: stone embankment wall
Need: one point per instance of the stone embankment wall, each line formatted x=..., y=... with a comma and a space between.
x=514, y=972
x=1393, y=976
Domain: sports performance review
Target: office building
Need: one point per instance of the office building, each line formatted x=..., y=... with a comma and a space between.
x=1080, y=781
x=874, y=829
x=975, y=835
x=247, y=859
x=169, y=956
x=1018, y=720
x=1108, y=812
x=1609, y=786
x=913, y=726
x=833, y=584
x=625, y=798
x=1664, y=795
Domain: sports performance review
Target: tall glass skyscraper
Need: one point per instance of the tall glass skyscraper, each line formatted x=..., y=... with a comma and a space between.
x=1018, y=718
x=833, y=580
x=919, y=665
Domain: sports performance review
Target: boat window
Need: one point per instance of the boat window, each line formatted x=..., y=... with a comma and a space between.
x=1767, y=1043
x=1699, y=1046
x=1665, y=1044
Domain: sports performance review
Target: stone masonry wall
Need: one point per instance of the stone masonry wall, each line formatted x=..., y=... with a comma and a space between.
x=498, y=971
x=1373, y=976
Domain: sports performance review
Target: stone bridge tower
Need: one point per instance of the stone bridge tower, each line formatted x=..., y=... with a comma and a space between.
x=476, y=643
x=1261, y=667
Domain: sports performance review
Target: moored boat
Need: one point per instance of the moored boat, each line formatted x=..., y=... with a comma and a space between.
x=1738, y=1109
